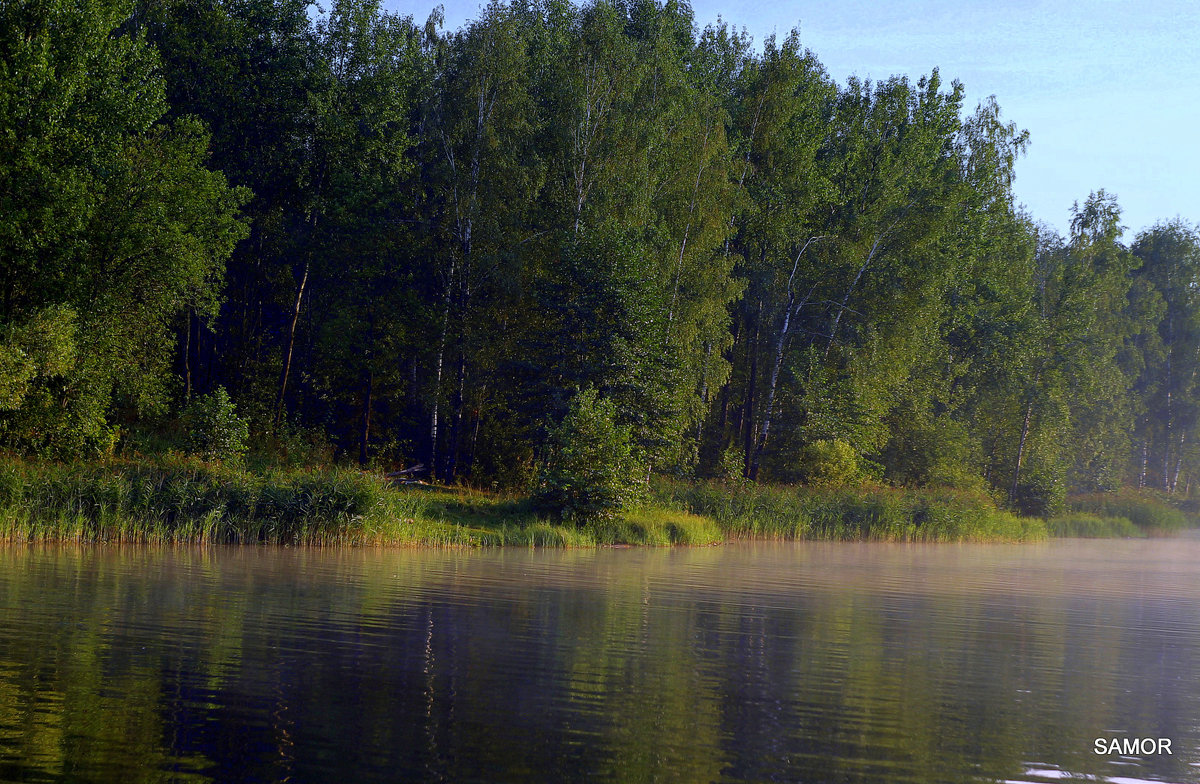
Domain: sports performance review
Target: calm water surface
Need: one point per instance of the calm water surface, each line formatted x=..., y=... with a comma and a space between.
x=755, y=662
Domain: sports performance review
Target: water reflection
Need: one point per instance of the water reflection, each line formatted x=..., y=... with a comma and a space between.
x=763, y=662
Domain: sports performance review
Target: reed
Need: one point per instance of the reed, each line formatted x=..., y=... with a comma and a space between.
x=1147, y=510
x=1083, y=525
x=187, y=501
x=745, y=510
x=183, y=500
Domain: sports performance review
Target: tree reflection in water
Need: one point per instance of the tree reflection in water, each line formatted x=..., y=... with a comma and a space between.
x=764, y=662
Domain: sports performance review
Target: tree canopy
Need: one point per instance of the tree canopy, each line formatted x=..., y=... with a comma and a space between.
x=421, y=245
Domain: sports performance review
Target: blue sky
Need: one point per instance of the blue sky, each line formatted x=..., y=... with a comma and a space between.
x=1109, y=90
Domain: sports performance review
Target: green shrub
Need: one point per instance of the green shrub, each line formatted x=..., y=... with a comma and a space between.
x=54, y=399
x=732, y=464
x=826, y=463
x=177, y=499
x=1041, y=493
x=43, y=346
x=590, y=473
x=926, y=451
x=290, y=446
x=215, y=431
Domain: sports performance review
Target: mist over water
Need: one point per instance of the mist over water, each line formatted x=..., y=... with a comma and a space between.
x=810, y=662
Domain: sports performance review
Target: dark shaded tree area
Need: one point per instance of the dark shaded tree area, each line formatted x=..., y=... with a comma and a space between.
x=415, y=244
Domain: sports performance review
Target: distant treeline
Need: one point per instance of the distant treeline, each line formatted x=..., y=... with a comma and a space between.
x=418, y=245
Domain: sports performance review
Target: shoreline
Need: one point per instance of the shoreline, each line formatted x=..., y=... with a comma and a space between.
x=173, y=500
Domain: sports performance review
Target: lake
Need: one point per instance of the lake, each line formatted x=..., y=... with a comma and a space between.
x=754, y=662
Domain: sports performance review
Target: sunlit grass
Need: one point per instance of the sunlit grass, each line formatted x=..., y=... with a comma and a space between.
x=1090, y=526
x=745, y=510
x=180, y=500
x=1147, y=510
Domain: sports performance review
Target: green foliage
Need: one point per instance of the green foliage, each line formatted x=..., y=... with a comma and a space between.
x=759, y=271
x=589, y=473
x=38, y=362
x=1166, y=294
x=1040, y=493
x=112, y=225
x=214, y=430
x=183, y=500
x=732, y=465
x=42, y=347
x=930, y=453
x=186, y=501
x=828, y=463
x=291, y=447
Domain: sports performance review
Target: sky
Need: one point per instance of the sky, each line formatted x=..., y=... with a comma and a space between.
x=1109, y=90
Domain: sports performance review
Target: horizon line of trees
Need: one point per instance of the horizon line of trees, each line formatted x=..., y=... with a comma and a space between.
x=417, y=244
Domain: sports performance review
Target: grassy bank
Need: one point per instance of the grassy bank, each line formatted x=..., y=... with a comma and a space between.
x=180, y=500
x=1083, y=525
x=188, y=501
x=1146, y=512
x=744, y=510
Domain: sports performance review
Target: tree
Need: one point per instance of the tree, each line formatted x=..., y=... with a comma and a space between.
x=788, y=106
x=480, y=121
x=1170, y=268
x=251, y=71
x=359, y=270
x=844, y=244
x=949, y=423
x=215, y=431
x=1074, y=414
x=589, y=472
x=109, y=215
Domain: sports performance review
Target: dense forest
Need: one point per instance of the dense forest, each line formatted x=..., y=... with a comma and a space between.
x=391, y=243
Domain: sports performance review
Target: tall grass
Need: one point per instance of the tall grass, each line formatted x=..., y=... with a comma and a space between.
x=1146, y=510
x=178, y=500
x=744, y=510
x=188, y=501
x=1084, y=525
